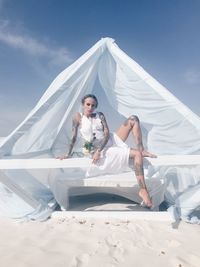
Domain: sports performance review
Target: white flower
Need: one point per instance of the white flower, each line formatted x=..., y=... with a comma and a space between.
x=85, y=151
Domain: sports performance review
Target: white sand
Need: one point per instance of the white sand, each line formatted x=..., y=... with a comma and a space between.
x=70, y=242
x=100, y=237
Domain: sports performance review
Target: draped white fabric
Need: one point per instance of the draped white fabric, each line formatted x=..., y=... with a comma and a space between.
x=170, y=127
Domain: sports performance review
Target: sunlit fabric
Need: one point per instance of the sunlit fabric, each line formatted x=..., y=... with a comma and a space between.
x=170, y=128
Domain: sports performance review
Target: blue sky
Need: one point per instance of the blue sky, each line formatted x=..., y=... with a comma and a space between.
x=38, y=39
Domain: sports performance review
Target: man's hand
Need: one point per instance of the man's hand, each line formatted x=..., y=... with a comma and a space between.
x=96, y=156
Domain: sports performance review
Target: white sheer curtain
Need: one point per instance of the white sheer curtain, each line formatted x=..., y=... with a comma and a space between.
x=171, y=128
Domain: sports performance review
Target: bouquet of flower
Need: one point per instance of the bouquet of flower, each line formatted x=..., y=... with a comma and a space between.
x=87, y=148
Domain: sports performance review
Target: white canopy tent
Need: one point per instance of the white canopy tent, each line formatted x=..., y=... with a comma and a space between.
x=170, y=128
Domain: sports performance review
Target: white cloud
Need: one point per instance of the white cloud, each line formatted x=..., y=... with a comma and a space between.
x=192, y=77
x=54, y=54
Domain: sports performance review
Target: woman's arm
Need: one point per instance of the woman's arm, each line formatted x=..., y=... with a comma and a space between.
x=75, y=125
x=105, y=130
x=104, y=141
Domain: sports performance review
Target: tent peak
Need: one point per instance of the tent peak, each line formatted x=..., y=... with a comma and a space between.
x=107, y=40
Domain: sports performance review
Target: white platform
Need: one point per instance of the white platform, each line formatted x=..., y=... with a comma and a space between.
x=51, y=163
x=63, y=183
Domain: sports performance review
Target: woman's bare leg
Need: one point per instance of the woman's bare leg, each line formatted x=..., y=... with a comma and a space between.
x=137, y=157
x=132, y=125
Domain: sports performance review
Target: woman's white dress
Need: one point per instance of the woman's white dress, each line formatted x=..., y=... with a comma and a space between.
x=114, y=156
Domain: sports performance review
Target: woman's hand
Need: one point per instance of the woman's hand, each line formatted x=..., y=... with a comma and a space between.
x=96, y=156
x=63, y=157
x=148, y=154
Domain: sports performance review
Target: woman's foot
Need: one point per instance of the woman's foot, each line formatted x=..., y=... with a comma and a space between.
x=148, y=154
x=143, y=193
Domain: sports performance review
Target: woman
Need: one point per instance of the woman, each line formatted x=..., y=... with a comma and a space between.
x=108, y=151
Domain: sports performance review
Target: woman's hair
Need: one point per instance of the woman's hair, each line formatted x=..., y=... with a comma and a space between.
x=89, y=96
